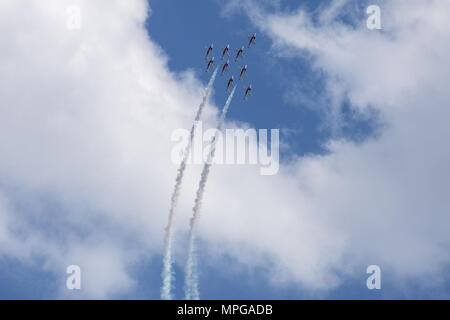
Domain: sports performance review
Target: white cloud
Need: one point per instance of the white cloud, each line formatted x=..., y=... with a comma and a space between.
x=87, y=118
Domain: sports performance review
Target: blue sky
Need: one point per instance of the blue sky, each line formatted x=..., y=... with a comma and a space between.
x=354, y=190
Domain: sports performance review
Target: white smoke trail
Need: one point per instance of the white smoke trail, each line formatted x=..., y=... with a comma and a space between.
x=167, y=273
x=191, y=278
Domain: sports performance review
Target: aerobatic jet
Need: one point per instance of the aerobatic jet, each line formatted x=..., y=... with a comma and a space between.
x=239, y=54
x=209, y=51
x=210, y=64
x=225, y=67
x=230, y=83
x=251, y=40
x=225, y=51
x=243, y=72
x=248, y=92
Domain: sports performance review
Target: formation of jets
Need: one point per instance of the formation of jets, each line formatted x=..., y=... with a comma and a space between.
x=225, y=66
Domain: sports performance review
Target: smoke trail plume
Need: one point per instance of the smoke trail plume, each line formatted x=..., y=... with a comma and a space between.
x=167, y=273
x=191, y=279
